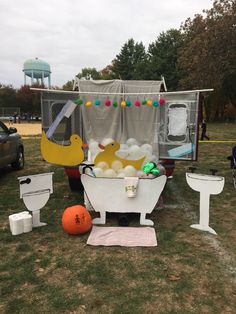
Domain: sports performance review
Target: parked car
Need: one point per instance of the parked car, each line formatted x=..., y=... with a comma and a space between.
x=11, y=148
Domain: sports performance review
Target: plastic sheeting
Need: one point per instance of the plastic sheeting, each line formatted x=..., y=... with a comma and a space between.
x=121, y=123
x=177, y=121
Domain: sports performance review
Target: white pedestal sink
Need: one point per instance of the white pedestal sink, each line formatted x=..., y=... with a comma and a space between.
x=206, y=185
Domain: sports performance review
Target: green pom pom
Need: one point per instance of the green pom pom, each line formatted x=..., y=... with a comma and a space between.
x=78, y=101
x=115, y=104
x=144, y=102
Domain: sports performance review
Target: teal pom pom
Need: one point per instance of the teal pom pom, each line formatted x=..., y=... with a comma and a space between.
x=128, y=103
x=97, y=102
x=155, y=103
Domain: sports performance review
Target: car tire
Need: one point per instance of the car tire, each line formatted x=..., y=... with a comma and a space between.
x=20, y=161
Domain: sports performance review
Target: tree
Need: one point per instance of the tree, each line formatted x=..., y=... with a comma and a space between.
x=68, y=85
x=29, y=100
x=108, y=73
x=7, y=96
x=131, y=62
x=89, y=72
x=207, y=57
x=163, y=55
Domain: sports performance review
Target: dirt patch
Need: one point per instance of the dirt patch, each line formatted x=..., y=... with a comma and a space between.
x=26, y=129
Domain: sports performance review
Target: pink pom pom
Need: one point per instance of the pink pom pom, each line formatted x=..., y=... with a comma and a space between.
x=162, y=101
x=137, y=103
x=107, y=102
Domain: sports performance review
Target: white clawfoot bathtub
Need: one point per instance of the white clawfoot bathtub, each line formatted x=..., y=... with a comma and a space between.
x=108, y=195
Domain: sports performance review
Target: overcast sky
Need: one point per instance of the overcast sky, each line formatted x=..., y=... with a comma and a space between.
x=74, y=34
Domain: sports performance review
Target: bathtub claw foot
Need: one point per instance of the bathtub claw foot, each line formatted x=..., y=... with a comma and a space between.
x=144, y=221
x=101, y=220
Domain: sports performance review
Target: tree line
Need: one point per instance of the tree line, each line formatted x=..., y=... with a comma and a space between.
x=200, y=54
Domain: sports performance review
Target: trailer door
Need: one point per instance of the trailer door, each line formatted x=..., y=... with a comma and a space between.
x=178, y=131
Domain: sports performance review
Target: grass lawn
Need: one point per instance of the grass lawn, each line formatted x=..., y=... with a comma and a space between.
x=49, y=271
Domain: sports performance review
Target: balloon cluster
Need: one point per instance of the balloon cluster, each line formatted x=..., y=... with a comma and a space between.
x=130, y=150
x=123, y=103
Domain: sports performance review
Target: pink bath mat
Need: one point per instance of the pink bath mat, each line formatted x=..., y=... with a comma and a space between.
x=122, y=236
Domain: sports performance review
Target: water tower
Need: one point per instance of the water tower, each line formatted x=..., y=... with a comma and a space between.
x=37, y=70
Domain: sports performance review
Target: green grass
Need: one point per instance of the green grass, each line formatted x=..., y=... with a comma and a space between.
x=49, y=271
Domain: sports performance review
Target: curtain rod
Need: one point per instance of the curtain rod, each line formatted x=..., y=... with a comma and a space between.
x=117, y=94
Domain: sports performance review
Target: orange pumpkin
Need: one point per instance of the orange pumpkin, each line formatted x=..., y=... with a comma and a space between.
x=76, y=220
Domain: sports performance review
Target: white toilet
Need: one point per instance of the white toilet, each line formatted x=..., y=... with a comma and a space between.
x=35, y=191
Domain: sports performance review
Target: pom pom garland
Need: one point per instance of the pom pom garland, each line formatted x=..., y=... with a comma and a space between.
x=88, y=104
x=128, y=103
x=107, y=102
x=78, y=101
x=97, y=102
x=162, y=101
x=155, y=103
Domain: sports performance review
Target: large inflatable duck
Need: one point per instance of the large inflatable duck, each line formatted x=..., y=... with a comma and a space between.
x=65, y=155
x=109, y=155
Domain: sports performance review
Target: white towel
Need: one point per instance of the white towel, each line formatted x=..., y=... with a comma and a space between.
x=131, y=185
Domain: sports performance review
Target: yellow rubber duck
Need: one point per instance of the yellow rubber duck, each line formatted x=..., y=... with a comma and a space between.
x=70, y=155
x=108, y=155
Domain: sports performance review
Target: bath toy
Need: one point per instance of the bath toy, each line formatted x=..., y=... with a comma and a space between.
x=76, y=220
x=150, y=167
x=70, y=155
x=109, y=155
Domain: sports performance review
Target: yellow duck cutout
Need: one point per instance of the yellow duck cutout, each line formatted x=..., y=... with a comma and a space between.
x=108, y=156
x=65, y=155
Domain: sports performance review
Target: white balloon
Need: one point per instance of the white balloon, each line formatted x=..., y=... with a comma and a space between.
x=154, y=158
x=116, y=165
x=121, y=175
x=134, y=148
x=130, y=171
x=146, y=147
x=131, y=141
x=103, y=165
x=148, y=158
x=122, y=153
x=141, y=174
x=124, y=146
x=98, y=172
x=110, y=173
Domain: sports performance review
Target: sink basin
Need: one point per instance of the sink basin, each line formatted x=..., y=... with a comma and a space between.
x=206, y=185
